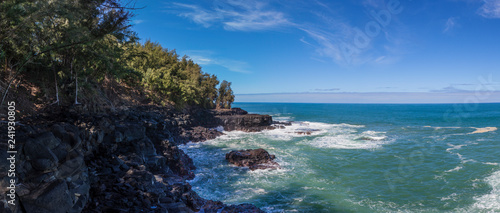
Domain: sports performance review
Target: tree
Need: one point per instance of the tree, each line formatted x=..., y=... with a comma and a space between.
x=226, y=96
x=35, y=34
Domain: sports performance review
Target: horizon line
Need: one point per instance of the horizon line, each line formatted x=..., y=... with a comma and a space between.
x=264, y=102
x=471, y=97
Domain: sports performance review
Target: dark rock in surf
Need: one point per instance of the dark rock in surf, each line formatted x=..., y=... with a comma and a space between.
x=306, y=131
x=252, y=158
x=284, y=123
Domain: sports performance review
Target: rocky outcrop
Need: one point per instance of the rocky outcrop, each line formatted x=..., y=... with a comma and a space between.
x=232, y=111
x=252, y=158
x=50, y=170
x=232, y=119
x=281, y=124
x=123, y=161
x=247, y=123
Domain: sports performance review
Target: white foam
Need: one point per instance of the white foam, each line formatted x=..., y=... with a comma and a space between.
x=439, y=127
x=490, y=202
x=345, y=141
x=337, y=136
x=313, y=188
x=299, y=129
x=463, y=160
x=454, y=147
x=219, y=128
x=282, y=118
x=483, y=130
x=455, y=169
x=452, y=197
x=372, y=136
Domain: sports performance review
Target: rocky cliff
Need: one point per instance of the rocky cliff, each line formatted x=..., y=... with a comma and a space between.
x=121, y=161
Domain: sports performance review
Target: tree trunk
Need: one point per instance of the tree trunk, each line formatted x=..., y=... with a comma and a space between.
x=76, y=84
x=57, y=90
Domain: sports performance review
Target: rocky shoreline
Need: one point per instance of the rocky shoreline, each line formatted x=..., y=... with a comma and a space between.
x=124, y=160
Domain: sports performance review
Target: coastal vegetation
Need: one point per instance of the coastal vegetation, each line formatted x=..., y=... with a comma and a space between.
x=68, y=52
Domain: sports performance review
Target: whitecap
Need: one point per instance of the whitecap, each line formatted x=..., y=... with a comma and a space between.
x=372, y=136
x=455, y=169
x=344, y=142
x=452, y=197
x=299, y=129
x=454, y=147
x=491, y=201
x=440, y=127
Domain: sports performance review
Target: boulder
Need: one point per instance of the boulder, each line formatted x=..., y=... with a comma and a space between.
x=252, y=158
x=51, y=197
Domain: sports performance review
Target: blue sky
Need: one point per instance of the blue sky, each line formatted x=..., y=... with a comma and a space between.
x=366, y=51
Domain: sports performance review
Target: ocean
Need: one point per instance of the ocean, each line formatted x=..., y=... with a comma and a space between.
x=361, y=158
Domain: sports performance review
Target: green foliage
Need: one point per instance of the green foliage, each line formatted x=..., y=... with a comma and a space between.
x=90, y=40
x=226, y=96
x=179, y=81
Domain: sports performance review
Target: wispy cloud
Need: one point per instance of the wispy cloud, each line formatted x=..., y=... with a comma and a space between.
x=450, y=89
x=235, y=15
x=327, y=90
x=465, y=87
x=450, y=24
x=326, y=30
x=203, y=57
x=368, y=97
x=352, y=44
x=137, y=21
x=327, y=44
x=198, y=14
x=490, y=9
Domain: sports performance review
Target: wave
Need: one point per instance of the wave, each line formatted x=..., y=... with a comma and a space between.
x=455, y=147
x=439, y=127
x=342, y=142
x=489, y=202
x=303, y=129
x=454, y=169
x=477, y=131
x=336, y=136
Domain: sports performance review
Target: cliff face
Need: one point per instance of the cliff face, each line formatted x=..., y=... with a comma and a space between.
x=125, y=161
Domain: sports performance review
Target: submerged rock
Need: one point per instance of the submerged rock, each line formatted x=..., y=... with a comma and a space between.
x=252, y=158
x=306, y=131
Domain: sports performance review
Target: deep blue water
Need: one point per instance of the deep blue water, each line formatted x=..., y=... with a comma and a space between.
x=362, y=158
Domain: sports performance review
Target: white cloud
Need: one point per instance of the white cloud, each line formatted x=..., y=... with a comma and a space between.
x=450, y=89
x=235, y=15
x=490, y=9
x=450, y=24
x=207, y=58
x=138, y=21
x=201, y=60
x=327, y=31
x=198, y=14
x=328, y=42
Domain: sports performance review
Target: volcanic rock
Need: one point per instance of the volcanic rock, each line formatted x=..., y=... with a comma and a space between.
x=252, y=158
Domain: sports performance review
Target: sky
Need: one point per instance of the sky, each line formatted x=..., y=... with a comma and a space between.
x=318, y=51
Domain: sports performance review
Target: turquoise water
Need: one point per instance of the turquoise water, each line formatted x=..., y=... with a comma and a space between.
x=361, y=158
